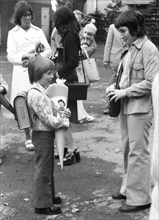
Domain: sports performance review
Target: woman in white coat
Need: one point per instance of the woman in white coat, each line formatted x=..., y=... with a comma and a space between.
x=21, y=47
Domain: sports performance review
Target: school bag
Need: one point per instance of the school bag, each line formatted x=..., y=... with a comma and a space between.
x=21, y=110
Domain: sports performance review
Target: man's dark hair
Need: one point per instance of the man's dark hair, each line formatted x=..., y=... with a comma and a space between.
x=133, y=20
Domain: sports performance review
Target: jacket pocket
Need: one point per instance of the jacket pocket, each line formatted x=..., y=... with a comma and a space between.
x=138, y=72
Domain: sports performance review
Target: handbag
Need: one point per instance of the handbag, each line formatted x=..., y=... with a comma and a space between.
x=115, y=106
x=90, y=68
x=77, y=90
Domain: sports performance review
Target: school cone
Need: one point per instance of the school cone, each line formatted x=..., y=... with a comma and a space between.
x=60, y=142
x=58, y=91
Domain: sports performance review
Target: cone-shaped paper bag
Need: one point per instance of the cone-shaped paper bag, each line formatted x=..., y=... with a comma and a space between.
x=60, y=141
x=58, y=92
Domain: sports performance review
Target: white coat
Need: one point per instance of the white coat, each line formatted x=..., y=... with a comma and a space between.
x=19, y=42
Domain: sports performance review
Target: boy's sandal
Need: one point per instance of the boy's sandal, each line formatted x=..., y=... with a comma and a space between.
x=29, y=146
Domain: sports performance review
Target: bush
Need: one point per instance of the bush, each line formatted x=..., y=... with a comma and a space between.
x=103, y=20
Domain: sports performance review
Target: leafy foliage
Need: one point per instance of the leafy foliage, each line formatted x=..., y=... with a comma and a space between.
x=103, y=20
x=111, y=12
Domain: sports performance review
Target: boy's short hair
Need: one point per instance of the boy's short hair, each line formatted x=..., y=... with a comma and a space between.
x=133, y=20
x=37, y=67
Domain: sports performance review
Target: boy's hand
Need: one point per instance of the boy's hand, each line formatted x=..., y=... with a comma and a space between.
x=67, y=113
x=66, y=122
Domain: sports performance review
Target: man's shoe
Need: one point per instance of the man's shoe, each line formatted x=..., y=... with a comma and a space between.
x=48, y=211
x=118, y=196
x=57, y=200
x=127, y=208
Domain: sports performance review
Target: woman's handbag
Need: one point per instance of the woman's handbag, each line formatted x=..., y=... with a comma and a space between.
x=90, y=68
x=114, y=106
x=77, y=90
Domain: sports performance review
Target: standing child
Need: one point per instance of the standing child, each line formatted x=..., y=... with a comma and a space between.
x=42, y=112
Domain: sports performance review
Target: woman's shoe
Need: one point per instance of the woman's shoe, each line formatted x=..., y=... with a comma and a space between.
x=69, y=159
x=89, y=118
x=29, y=145
x=77, y=155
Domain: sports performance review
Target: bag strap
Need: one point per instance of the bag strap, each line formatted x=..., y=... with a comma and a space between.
x=120, y=71
x=84, y=74
x=35, y=115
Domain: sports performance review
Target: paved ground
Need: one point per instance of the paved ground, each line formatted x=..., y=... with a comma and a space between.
x=85, y=187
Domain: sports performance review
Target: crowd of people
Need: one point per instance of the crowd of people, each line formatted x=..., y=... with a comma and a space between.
x=128, y=51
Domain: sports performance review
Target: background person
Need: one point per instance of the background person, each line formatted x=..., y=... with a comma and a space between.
x=88, y=45
x=140, y=64
x=112, y=54
x=3, y=91
x=21, y=47
x=45, y=121
x=154, y=211
x=68, y=56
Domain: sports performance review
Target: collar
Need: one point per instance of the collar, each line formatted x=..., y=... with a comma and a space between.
x=17, y=27
x=40, y=87
x=139, y=42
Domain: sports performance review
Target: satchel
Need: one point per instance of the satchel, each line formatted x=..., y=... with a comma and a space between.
x=90, y=68
x=115, y=106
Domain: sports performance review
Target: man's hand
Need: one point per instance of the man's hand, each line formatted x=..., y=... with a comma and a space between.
x=117, y=94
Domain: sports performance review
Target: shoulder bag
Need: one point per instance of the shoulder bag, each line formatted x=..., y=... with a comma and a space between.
x=90, y=68
x=77, y=90
x=114, y=106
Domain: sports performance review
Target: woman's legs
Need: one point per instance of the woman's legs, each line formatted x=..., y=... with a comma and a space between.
x=82, y=114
